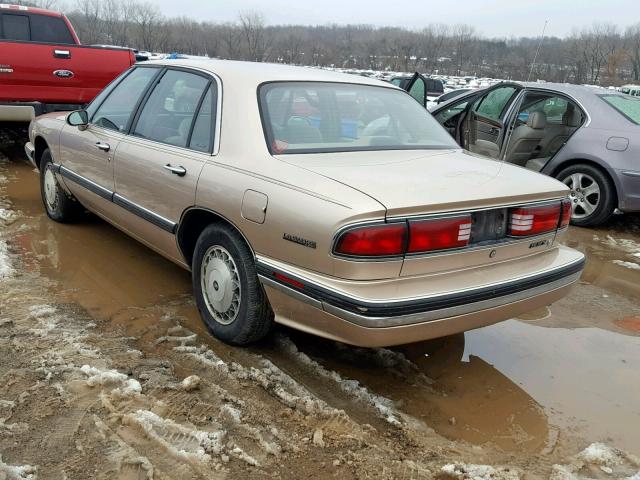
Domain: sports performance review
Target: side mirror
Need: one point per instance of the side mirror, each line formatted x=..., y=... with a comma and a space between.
x=79, y=119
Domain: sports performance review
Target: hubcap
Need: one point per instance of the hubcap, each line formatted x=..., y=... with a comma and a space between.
x=220, y=284
x=50, y=188
x=585, y=194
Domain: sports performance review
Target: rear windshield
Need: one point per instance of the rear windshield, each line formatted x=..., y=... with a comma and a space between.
x=627, y=106
x=315, y=117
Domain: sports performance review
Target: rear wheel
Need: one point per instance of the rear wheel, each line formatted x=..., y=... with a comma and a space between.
x=59, y=206
x=592, y=194
x=228, y=293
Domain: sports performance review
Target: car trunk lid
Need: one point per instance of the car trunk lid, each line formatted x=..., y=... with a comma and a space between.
x=409, y=182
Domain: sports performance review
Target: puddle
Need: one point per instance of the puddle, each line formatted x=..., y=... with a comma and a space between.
x=519, y=384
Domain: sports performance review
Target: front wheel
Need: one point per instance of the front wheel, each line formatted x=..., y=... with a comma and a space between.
x=592, y=194
x=228, y=294
x=57, y=203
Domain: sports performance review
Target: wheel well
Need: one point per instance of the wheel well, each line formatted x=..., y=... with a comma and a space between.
x=193, y=222
x=591, y=163
x=40, y=145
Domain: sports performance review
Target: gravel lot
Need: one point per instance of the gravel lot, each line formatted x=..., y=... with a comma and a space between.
x=107, y=372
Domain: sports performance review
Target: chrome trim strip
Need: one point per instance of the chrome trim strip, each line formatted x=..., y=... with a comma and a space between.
x=629, y=173
x=427, y=315
x=148, y=215
x=144, y=213
x=263, y=265
x=86, y=183
x=381, y=322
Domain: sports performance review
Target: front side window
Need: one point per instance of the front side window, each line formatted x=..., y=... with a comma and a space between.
x=625, y=105
x=115, y=111
x=49, y=29
x=15, y=27
x=168, y=114
x=314, y=117
x=493, y=104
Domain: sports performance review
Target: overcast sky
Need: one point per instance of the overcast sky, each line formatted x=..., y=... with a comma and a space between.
x=492, y=18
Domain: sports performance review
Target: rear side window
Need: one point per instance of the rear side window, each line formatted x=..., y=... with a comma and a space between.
x=169, y=112
x=627, y=106
x=114, y=113
x=202, y=136
x=49, y=29
x=15, y=27
x=493, y=104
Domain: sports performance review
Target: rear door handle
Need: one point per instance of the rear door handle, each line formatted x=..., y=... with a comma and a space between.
x=61, y=53
x=180, y=171
x=105, y=147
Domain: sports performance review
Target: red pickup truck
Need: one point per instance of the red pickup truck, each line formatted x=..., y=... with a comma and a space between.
x=44, y=68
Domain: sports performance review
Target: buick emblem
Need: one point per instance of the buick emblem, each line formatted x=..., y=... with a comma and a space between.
x=492, y=254
x=63, y=73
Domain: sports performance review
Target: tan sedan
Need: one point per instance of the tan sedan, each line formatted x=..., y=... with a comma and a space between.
x=334, y=204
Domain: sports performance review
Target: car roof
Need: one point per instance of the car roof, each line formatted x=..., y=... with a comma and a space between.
x=4, y=7
x=262, y=72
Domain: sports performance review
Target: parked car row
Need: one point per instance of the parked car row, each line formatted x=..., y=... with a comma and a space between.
x=327, y=202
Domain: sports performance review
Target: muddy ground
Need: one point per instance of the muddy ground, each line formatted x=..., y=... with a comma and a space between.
x=107, y=372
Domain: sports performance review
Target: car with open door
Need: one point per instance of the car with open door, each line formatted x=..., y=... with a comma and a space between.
x=585, y=137
x=327, y=202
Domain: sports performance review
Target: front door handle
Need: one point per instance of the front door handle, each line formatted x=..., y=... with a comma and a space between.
x=180, y=171
x=61, y=53
x=105, y=147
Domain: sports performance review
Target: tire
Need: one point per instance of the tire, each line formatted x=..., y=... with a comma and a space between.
x=59, y=205
x=229, y=296
x=597, y=205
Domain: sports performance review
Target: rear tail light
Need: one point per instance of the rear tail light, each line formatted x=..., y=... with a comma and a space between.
x=439, y=234
x=534, y=220
x=374, y=241
x=565, y=217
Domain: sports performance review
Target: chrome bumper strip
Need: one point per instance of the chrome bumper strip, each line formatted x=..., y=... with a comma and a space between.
x=404, y=312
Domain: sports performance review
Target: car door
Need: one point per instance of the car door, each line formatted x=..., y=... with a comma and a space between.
x=484, y=127
x=158, y=165
x=417, y=88
x=87, y=152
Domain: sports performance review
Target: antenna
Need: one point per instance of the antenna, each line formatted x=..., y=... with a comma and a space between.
x=538, y=50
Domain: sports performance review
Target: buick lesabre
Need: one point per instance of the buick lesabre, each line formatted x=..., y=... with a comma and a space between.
x=330, y=203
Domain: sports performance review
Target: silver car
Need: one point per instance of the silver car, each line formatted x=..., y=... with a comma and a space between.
x=587, y=137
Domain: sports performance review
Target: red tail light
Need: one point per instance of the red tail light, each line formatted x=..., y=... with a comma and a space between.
x=374, y=241
x=534, y=220
x=565, y=217
x=439, y=234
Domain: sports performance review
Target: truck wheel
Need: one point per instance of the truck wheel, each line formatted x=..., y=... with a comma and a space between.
x=592, y=195
x=57, y=203
x=228, y=293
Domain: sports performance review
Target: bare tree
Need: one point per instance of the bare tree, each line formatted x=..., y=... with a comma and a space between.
x=256, y=36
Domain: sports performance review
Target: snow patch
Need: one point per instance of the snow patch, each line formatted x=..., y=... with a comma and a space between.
x=128, y=386
x=179, y=440
x=478, y=472
x=6, y=270
x=16, y=472
x=631, y=265
x=628, y=246
x=598, y=456
x=383, y=405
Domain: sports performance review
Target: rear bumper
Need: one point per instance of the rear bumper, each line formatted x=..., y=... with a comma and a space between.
x=630, y=190
x=16, y=113
x=346, y=318
x=27, y=111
